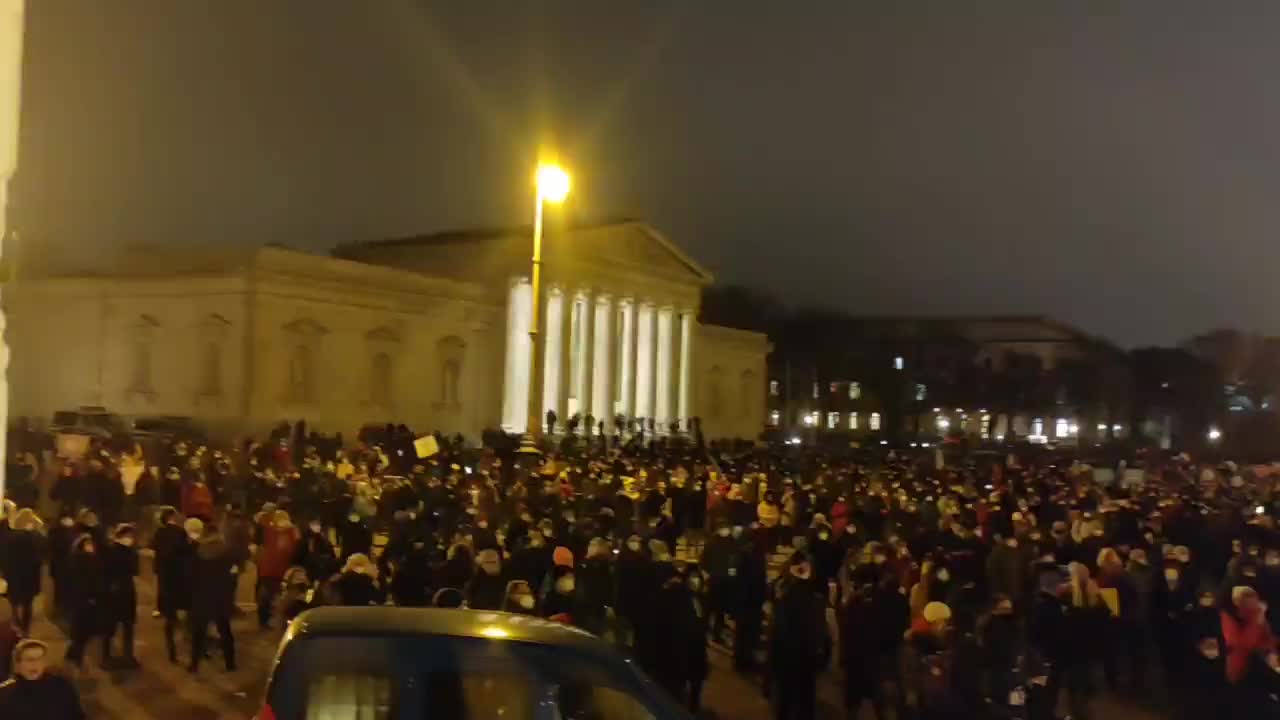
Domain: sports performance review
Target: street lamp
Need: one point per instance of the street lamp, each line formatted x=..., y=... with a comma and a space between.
x=551, y=184
x=1214, y=434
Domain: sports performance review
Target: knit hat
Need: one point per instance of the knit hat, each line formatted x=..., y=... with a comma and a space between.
x=562, y=556
x=936, y=612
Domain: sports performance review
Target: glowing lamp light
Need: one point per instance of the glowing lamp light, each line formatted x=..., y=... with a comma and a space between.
x=493, y=631
x=552, y=182
x=1215, y=434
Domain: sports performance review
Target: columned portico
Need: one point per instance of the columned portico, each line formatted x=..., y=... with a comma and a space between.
x=515, y=391
x=627, y=360
x=552, y=377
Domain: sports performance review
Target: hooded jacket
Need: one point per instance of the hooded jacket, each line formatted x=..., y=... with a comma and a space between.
x=212, y=578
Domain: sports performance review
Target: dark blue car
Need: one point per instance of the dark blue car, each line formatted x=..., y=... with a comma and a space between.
x=383, y=663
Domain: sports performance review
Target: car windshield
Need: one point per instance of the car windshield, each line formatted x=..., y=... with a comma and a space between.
x=448, y=678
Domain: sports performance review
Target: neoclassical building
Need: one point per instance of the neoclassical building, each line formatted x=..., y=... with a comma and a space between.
x=431, y=331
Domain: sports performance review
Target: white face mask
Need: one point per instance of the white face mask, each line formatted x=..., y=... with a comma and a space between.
x=525, y=601
x=943, y=576
x=125, y=541
x=195, y=537
x=68, y=522
x=723, y=532
x=565, y=585
x=354, y=517
x=633, y=547
x=547, y=532
x=316, y=528
x=823, y=535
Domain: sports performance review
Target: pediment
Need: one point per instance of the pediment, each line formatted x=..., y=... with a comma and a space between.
x=637, y=246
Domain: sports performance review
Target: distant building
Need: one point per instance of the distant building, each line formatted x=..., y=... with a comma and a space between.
x=838, y=378
x=429, y=331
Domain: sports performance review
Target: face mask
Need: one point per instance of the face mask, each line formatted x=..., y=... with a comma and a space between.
x=723, y=532
x=823, y=535
x=1206, y=602
x=943, y=576
x=850, y=529
x=695, y=584
x=525, y=601
x=67, y=522
x=564, y=585
x=1210, y=653
x=547, y=532
x=125, y=541
x=633, y=546
x=1272, y=561
x=354, y=517
x=878, y=559
x=195, y=537
x=316, y=528
x=737, y=531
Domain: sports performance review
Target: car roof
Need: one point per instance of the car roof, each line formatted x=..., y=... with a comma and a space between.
x=481, y=624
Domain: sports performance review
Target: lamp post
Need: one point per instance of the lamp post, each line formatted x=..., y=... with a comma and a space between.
x=11, y=35
x=552, y=185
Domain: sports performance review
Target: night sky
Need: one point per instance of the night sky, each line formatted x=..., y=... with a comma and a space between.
x=1111, y=164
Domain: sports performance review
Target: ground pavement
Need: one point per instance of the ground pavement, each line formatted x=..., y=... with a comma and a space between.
x=161, y=689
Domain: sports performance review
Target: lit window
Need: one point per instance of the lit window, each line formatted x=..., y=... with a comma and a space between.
x=853, y=421
x=773, y=388
x=855, y=390
x=835, y=388
x=944, y=424
x=1037, y=427
x=986, y=427
x=810, y=419
x=833, y=420
x=815, y=391
x=775, y=417
x=875, y=421
x=921, y=392
x=1061, y=427
x=898, y=363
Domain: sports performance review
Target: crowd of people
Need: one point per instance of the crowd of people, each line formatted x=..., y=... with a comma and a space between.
x=961, y=587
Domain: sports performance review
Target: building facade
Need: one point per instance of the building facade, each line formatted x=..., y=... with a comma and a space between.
x=429, y=331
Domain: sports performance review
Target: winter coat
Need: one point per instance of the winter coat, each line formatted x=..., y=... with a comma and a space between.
x=594, y=579
x=275, y=556
x=197, y=501
x=358, y=590
x=354, y=537
x=635, y=583
x=768, y=514
x=22, y=560
x=52, y=697
x=798, y=633
x=316, y=555
x=174, y=551
x=1246, y=638
x=485, y=591
x=718, y=557
x=88, y=589
x=1008, y=569
x=212, y=579
x=411, y=583
x=122, y=597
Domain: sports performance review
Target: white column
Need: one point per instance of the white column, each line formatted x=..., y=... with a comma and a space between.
x=627, y=360
x=665, y=374
x=602, y=368
x=515, y=389
x=683, y=401
x=11, y=31
x=646, y=347
x=565, y=366
x=582, y=374
x=552, y=356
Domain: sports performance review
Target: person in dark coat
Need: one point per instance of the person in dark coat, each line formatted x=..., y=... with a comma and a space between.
x=212, y=581
x=675, y=629
x=698, y=664
x=174, y=546
x=411, y=579
x=60, y=539
x=356, y=586
x=560, y=604
x=797, y=638
x=121, y=567
x=487, y=586
x=33, y=692
x=635, y=588
x=719, y=560
x=748, y=611
x=315, y=553
x=595, y=587
x=22, y=561
x=354, y=536
x=88, y=602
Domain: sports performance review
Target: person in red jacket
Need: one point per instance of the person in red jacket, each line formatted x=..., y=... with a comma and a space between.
x=197, y=500
x=1246, y=632
x=279, y=544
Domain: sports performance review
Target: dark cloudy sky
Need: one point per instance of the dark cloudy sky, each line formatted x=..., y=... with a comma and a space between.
x=1110, y=163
